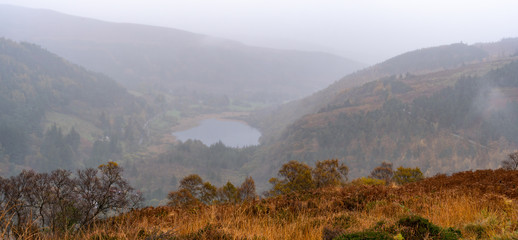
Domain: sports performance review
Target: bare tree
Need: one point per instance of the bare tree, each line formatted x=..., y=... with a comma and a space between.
x=512, y=162
x=383, y=172
x=104, y=193
x=61, y=212
x=60, y=202
x=247, y=190
x=329, y=173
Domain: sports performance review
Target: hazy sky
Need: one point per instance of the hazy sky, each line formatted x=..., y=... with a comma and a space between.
x=364, y=30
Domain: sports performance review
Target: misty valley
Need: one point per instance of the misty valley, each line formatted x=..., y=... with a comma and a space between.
x=127, y=131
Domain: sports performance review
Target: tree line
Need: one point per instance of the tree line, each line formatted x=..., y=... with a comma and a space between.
x=193, y=191
x=293, y=176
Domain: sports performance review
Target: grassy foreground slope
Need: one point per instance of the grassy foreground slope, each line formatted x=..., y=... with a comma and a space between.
x=481, y=204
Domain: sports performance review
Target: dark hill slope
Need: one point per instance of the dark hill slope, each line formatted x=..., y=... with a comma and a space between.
x=36, y=86
x=173, y=60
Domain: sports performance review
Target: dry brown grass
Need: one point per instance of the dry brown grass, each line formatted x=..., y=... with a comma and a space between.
x=480, y=204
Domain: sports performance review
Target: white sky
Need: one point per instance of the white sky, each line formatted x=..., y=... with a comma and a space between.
x=364, y=30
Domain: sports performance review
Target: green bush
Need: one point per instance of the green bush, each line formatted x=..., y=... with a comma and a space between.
x=408, y=228
x=365, y=235
x=416, y=228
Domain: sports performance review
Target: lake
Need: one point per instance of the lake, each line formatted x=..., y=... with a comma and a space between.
x=232, y=133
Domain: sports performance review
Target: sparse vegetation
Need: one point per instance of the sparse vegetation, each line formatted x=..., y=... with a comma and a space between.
x=472, y=205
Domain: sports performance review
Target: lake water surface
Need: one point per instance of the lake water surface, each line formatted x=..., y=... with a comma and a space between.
x=231, y=133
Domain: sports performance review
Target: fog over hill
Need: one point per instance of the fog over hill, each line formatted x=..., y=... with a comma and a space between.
x=176, y=61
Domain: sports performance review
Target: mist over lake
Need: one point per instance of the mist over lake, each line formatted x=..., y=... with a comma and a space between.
x=231, y=133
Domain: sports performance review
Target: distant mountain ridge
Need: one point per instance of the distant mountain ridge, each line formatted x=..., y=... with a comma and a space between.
x=173, y=60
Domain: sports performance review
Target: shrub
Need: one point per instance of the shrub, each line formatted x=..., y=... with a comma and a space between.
x=416, y=227
x=408, y=175
x=408, y=228
x=365, y=236
x=368, y=181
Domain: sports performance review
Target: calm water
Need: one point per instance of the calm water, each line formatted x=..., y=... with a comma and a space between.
x=231, y=133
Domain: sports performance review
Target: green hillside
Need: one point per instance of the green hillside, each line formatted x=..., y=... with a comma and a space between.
x=51, y=111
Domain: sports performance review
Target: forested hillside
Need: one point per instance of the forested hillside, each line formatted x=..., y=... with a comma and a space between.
x=449, y=120
x=54, y=114
x=418, y=62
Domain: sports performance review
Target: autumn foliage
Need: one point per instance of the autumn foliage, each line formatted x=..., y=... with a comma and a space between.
x=472, y=205
x=296, y=176
x=193, y=192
